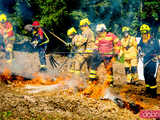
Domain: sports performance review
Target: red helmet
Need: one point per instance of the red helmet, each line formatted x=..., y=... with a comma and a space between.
x=35, y=23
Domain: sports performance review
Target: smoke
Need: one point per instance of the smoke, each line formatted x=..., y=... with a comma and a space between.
x=113, y=13
x=109, y=95
x=6, y=6
x=69, y=82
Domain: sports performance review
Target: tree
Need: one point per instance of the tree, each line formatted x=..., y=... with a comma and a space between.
x=51, y=13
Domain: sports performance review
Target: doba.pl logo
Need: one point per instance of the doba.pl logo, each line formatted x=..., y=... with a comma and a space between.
x=150, y=114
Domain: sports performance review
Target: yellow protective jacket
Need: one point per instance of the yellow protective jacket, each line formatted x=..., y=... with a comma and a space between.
x=129, y=47
x=88, y=34
x=78, y=41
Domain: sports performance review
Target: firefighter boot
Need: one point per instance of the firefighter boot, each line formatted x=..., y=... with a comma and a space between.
x=43, y=68
x=93, y=75
x=134, y=75
x=129, y=78
x=153, y=92
x=128, y=74
x=147, y=91
x=110, y=80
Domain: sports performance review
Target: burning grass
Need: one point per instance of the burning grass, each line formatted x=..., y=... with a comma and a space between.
x=64, y=102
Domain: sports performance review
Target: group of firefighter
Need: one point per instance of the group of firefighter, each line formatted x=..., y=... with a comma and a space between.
x=106, y=46
x=103, y=47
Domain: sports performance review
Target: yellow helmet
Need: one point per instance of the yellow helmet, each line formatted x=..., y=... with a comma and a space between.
x=125, y=29
x=71, y=31
x=144, y=28
x=84, y=22
x=3, y=18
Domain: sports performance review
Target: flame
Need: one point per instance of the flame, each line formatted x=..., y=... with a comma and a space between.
x=94, y=90
x=6, y=75
x=40, y=80
x=98, y=89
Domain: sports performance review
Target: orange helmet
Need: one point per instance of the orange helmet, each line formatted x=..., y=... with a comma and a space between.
x=36, y=23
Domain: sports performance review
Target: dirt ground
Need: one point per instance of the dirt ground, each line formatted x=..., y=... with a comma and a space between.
x=64, y=103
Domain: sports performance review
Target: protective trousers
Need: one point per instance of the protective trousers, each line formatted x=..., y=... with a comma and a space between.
x=7, y=47
x=150, y=72
x=42, y=57
x=96, y=61
x=76, y=63
x=131, y=69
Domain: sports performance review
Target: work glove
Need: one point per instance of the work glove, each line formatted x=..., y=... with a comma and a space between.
x=9, y=47
x=28, y=27
x=158, y=57
x=117, y=57
x=89, y=51
x=34, y=43
x=127, y=47
x=69, y=44
x=141, y=54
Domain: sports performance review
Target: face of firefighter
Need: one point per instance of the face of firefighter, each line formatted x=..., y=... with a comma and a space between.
x=125, y=34
x=146, y=37
x=36, y=27
x=102, y=34
x=2, y=22
x=72, y=35
x=83, y=28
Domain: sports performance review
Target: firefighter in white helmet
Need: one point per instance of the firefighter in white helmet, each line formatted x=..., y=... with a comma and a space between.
x=89, y=40
x=107, y=44
x=129, y=51
x=78, y=46
x=8, y=37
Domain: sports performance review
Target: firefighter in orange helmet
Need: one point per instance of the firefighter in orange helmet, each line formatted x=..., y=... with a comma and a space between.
x=78, y=46
x=129, y=51
x=8, y=37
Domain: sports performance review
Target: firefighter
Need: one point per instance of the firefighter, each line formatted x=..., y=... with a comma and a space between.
x=8, y=37
x=148, y=48
x=40, y=41
x=106, y=45
x=129, y=51
x=78, y=46
x=89, y=39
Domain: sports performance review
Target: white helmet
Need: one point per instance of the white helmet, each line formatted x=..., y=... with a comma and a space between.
x=100, y=27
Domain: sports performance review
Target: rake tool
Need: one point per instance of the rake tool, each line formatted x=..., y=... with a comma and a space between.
x=53, y=62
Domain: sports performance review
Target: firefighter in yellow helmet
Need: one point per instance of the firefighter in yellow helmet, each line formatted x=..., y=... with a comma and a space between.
x=78, y=46
x=89, y=39
x=8, y=37
x=129, y=51
x=149, y=49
